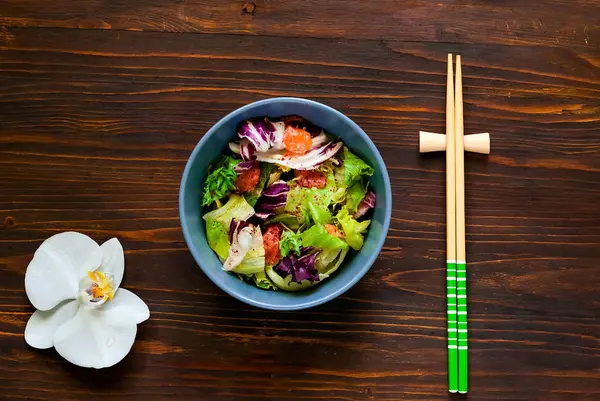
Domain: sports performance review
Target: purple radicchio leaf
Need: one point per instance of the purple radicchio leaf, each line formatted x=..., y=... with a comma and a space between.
x=243, y=166
x=235, y=227
x=263, y=215
x=366, y=204
x=305, y=250
x=272, y=198
x=320, y=153
x=336, y=161
x=241, y=236
x=305, y=268
x=277, y=188
x=319, y=140
x=277, y=136
x=247, y=150
x=302, y=268
x=259, y=132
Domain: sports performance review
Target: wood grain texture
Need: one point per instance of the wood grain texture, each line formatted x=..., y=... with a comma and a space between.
x=101, y=103
x=542, y=22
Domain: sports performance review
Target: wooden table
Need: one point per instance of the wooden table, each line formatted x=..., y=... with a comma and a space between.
x=102, y=102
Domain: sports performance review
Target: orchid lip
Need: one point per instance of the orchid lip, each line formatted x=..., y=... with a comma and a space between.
x=98, y=289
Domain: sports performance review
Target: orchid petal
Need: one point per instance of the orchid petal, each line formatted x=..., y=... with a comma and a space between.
x=85, y=342
x=42, y=325
x=101, y=337
x=113, y=261
x=125, y=308
x=54, y=272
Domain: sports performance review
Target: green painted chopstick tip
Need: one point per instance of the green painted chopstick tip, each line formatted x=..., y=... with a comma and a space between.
x=452, y=327
x=462, y=333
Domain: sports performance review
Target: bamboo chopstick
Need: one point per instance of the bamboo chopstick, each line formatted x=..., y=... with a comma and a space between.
x=461, y=263
x=455, y=143
x=451, y=235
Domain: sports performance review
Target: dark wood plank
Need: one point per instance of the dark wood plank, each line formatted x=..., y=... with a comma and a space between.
x=97, y=126
x=560, y=23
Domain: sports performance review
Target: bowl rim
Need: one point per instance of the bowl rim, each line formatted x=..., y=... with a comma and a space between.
x=371, y=258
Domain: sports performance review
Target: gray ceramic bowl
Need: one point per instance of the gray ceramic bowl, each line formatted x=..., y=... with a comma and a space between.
x=215, y=141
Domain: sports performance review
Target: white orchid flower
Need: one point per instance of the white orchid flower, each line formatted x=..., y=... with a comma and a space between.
x=81, y=311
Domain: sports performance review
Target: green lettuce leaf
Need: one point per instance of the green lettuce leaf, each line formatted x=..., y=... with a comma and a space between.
x=354, y=195
x=235, y=208
x=218, y=238
x=330, y=246
x=338, y=196
x=287, y=284
x=265, y=172
x=254, y=261
x=288, y=220
x=353, y=167
x=352, y=229
x=334, y=264
x=296, y=204
x=318, y=214
x=318, y=237
x=299, y=199
x=274, y=175
x=290, y=242
x=221, y=181
x=261, y=280
x=217, y=233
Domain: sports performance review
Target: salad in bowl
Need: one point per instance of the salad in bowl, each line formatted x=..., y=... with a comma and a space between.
x=286, y=204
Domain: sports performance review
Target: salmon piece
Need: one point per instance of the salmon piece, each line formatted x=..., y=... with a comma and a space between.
x=311, y=179
x=299, y=122
x=271, y=238
x=296, y=140
x=248, y=180
x=333, y=230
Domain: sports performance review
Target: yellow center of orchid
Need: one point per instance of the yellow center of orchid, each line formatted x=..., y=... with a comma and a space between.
x=101, y=288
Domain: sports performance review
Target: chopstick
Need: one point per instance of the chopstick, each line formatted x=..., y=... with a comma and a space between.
x=451, y=234
x=461, y=263
x=456, y=265
x=455, y=144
